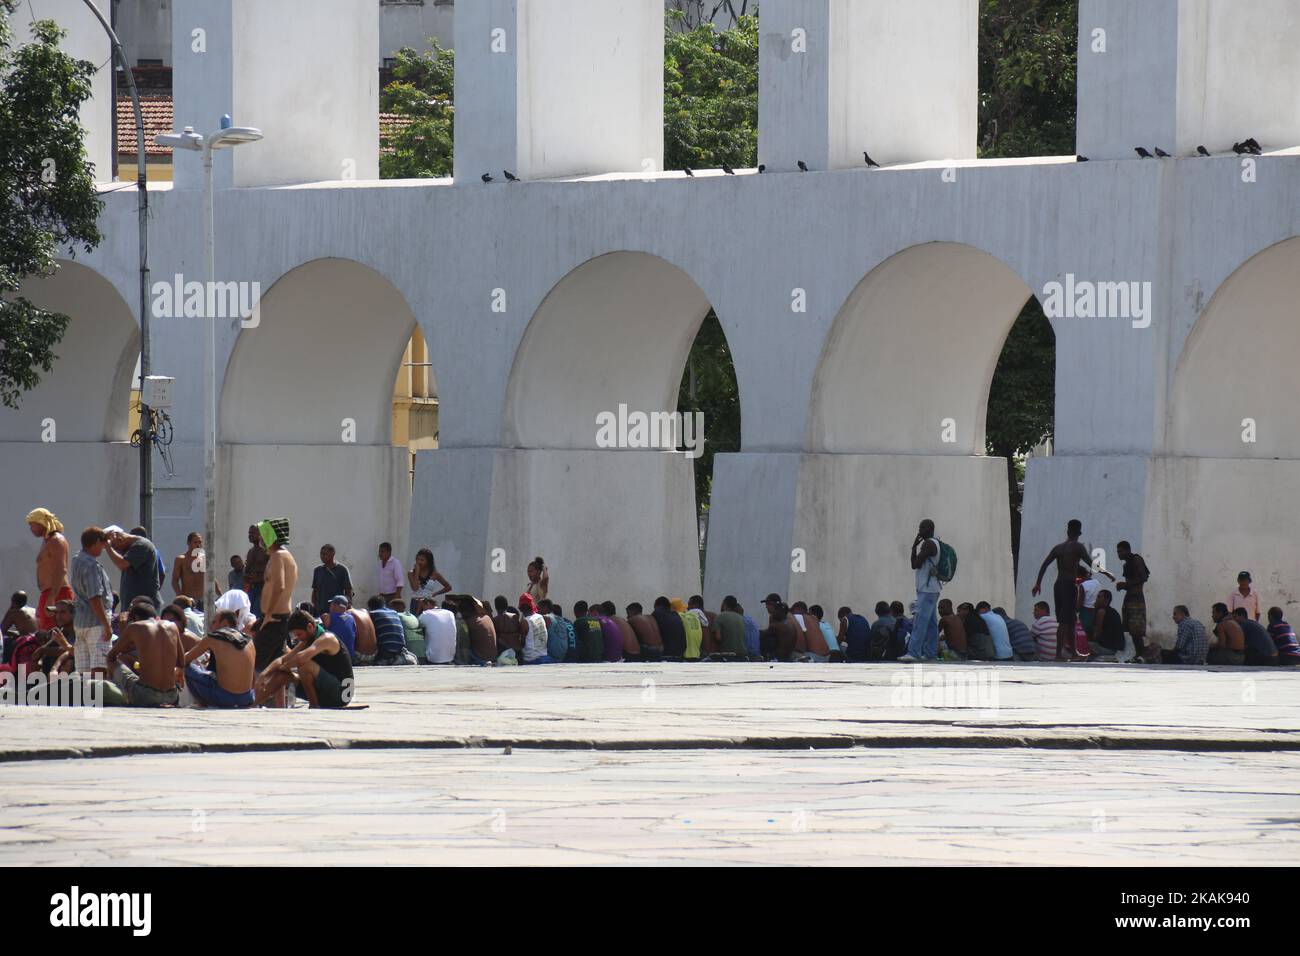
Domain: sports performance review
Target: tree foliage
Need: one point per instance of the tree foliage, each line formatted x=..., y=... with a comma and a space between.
x=422, y=90
x=711, y=95
x=709, y=386
x=48, y=200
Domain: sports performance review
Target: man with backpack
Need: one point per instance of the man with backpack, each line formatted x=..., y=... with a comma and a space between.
x=933, y=563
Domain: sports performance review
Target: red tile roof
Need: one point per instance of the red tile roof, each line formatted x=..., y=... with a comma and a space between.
x=157, y=114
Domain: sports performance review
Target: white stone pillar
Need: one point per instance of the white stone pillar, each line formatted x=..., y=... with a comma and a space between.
x=895, y=78
x=552, y=88
x=303, y=71
x=1178, y=74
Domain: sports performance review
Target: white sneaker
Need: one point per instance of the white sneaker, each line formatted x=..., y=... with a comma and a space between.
x=907, y=659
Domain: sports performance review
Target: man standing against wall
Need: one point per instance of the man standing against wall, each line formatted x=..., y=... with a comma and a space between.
x=924, y=642
x=1069, y=555
x=51, y=564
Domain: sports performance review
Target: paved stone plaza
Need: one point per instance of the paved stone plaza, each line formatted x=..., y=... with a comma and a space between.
x=703, y=763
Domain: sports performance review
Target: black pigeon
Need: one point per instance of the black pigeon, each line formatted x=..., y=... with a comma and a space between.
x=687, y=171
x=871, y=163
x=487, y=177
x=1082, y=159
x=803, y=167
x=762, y=168
x=1240, y=148
x=511, y=177
x=1202, y=151
x=728, y=170
x=1252, y=143
x=1161, y=153
x=1141, y=151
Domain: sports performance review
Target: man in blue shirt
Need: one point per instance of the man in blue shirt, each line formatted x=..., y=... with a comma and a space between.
x=997, y=630
x=390, y=635
x=854, y=636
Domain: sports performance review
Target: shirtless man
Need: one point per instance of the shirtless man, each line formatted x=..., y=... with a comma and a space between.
x=227, y=681
x=1069, y=556
x=367, y=645
x=482, y=631
x=51, y=564
x=1229, y=644
x=951, y=628
x=255, y=569
x=318, y=662
x=277, y=592
x=650, y=642
x=187, y=570
x=159, y=659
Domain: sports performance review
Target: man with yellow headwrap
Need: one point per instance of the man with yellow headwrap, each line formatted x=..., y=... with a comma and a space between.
x=51, y=565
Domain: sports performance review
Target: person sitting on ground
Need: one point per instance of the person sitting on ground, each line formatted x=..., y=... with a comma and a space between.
x=1044, y=631
x=158, y=658
x=510, y=629
x=902, y=628
x=835, y=654
x=1192, y=643
x=227, y=681
x=997, y=629
x=1229, y=645
x=651, y=644
x=883, y=633
x=17, y=603
x=729, y=631
x=695, y=604
x=631, y=646
x=1284, y=639
x=952, y=631
x=342, y=623
x=561, y=641
x=193, y=616
x=611, y=634
x=1245, y=596
x=811, y=646
x=390, y=636
x=175, y=614
x=671, y=630
x=781, y=636
x=318, y=663
x=535, y=640
x=752, y=641
x=411, y=628
x=692, y=627
x=1023, y=647
x=1107, y=629
x=854, y=637
x=440, y=632
x=478, y=620
x=979, y=641
x=1260, y=651
x=589, y=639
x=57, y=654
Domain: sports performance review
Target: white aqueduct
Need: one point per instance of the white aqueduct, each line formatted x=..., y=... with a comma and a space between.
x=582, y=287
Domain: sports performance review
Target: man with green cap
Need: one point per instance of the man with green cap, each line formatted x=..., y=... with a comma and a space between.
x=277, y=592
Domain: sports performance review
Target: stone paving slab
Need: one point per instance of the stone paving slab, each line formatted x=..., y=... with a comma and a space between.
x=718, y=706
x=481, y=807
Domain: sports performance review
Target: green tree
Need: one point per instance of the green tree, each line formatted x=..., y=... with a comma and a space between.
x=710, y=94
x=422, y=90
x=709, y=386
x=48, y=199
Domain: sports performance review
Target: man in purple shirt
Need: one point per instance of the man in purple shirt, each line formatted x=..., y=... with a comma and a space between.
x=390, y=574
x=610, y=630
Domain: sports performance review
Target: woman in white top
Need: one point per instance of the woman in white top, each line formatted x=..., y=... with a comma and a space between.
x=424, y=575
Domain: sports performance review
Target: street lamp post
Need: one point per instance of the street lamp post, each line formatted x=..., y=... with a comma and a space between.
x=225, y=138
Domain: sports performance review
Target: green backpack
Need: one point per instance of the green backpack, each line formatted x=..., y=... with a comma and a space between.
x=945, y=565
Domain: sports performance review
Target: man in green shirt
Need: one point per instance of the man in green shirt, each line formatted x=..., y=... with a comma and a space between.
x=729, y=630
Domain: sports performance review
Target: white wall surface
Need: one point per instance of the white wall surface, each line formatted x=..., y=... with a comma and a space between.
x=412, y=24
x=86, y=40
x=904, y=80
x=590, y=87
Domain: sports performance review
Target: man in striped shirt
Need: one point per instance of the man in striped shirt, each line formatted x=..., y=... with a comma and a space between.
x=1044, y=631
x=1283, y=634
x=94, y=603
